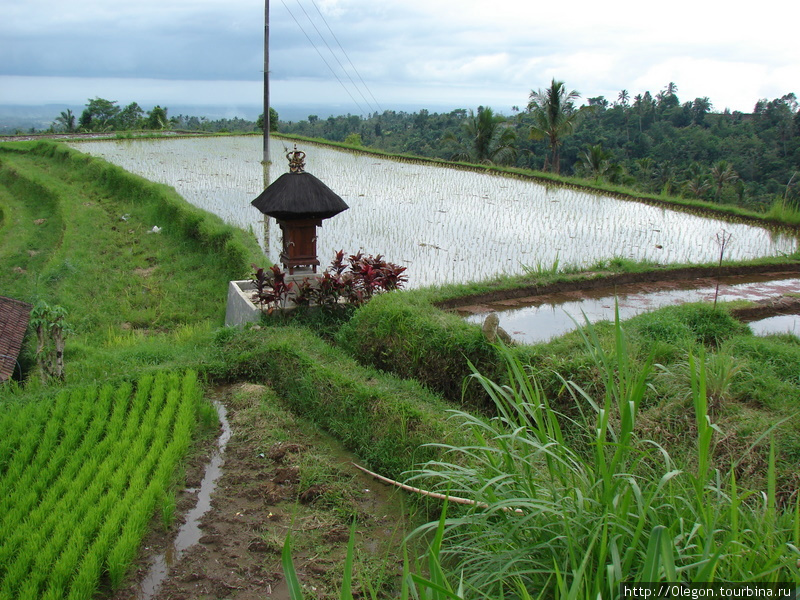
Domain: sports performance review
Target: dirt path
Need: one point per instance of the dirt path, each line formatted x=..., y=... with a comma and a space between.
x=278, y=475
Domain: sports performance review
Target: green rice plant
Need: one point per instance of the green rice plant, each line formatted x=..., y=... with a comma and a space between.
x=575, y=516
x=86, y=582
x=112, y=454
x=539, y=269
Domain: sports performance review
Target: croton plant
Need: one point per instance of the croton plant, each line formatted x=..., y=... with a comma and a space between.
x=353, y=280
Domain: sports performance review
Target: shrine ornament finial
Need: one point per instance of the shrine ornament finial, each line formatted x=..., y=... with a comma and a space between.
x=297, y=162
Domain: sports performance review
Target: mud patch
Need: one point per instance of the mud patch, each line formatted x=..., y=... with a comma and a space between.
x=279, y=475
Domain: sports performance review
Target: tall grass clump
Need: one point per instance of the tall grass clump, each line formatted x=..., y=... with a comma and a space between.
x=573, y=516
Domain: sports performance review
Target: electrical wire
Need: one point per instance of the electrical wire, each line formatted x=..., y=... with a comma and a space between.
x=361, y=79
x=344, y=70
x=327, y=64
x=361, y=110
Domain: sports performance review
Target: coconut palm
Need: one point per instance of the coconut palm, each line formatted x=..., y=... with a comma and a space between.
x=697, y=182
x=554, y=116
x=488, y=139
x=722, y=172
x=67, y=120
x=595, y=161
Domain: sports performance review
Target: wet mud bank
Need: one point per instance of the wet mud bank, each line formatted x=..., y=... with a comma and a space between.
x=278, y=475
x=783, y=305
x=190, y=532
x=588, y=282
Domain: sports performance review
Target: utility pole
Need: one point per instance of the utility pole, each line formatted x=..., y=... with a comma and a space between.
x=266, y=83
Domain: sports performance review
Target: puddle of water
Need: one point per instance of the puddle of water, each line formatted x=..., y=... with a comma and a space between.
x=556, y=314
x=777, y=324
x=189, y=534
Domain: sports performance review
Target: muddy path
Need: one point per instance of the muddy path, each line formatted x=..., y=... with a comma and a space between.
x=278, y=475
x=587, y=282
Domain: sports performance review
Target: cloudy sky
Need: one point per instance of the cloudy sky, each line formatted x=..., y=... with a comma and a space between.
x=436, y=53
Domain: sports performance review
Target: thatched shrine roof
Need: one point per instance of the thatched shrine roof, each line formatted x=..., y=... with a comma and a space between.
x=299, y=195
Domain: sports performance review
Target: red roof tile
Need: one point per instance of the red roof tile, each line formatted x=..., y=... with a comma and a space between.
x=14, y=317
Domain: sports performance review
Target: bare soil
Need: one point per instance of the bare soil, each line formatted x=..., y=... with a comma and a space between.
x=87, y=136
x=279, y=475
x=586, y=283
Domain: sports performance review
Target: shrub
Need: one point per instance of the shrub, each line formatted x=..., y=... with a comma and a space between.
x=574, y=518
x=405, y=335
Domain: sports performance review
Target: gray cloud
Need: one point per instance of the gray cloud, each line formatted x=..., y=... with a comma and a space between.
x=411, y=48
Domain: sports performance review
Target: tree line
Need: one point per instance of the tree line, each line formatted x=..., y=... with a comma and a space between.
x=101, y=115
x=651, y=143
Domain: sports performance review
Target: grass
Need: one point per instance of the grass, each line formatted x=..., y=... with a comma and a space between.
x=160, y=309
x=127, y=281
x=603, y=504
x=385, y=420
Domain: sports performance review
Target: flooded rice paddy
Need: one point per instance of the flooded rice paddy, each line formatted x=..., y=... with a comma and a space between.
x=446, y=225
x=540, y=319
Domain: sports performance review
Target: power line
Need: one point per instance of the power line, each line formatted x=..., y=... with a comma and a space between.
x=334, y=54
x=327, y=64
x=364, y=83
x=323, y=58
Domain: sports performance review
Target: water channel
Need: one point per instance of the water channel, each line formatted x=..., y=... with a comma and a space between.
x=189, y=533
x=541, y=318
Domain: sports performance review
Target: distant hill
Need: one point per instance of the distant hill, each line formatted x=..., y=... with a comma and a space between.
x=22, y=118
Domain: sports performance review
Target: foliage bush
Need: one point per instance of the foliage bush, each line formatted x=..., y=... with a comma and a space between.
x=383, y=419
x=354, y=281
x=402, y=334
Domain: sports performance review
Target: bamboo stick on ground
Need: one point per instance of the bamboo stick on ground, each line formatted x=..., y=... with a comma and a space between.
x=436, y=495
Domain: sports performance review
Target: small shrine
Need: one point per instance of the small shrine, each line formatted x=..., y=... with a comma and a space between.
x=299, y=202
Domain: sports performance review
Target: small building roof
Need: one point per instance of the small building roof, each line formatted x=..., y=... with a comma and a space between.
x=14, y=317
x=299, y=195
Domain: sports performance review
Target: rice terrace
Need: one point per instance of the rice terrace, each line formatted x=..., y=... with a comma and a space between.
x=657, y=448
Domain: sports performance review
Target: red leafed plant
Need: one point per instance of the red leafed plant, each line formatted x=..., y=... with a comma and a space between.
x=272, y=290
x=354, y=280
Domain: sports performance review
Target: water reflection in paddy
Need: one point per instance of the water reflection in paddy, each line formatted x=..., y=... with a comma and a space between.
x=446, y=225
x=556, y=314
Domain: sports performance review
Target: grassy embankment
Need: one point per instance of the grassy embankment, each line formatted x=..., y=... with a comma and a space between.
x=75, y=233
x=752, y=384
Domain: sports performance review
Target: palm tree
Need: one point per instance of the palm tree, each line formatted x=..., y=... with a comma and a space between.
x=489, y=139
x=646, y=167
x=623, y=98
x=595, y=161
x=554, y=116
x=722, y=172
x=67, y=120
x=697, y=182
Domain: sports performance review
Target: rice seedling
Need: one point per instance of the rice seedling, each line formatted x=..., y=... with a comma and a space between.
x=446, y=225
x=108, y=459
x=600, y=506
